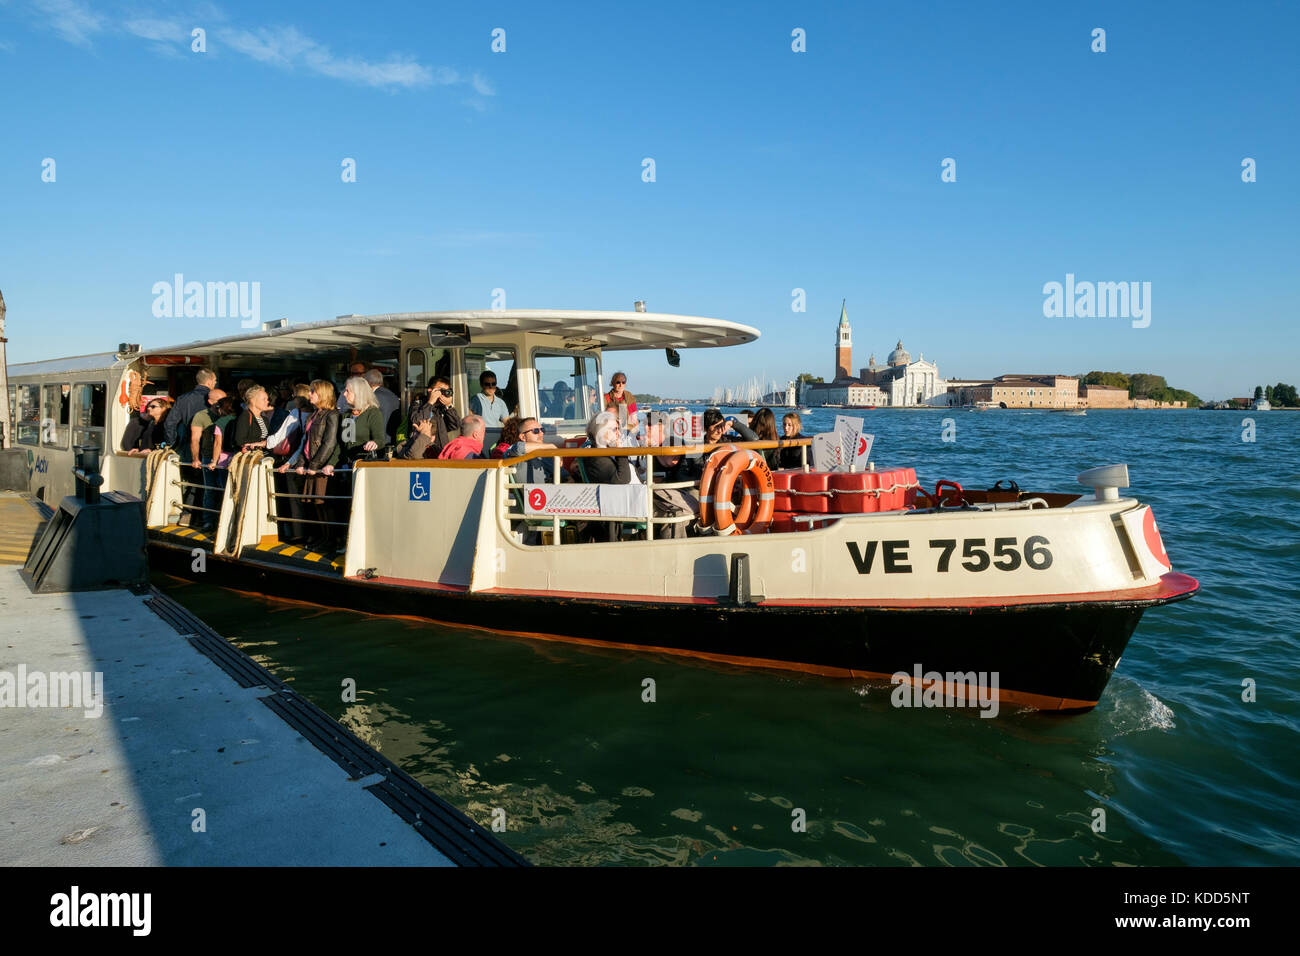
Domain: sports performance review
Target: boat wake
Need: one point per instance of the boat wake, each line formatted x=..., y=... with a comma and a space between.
x=1134, y=709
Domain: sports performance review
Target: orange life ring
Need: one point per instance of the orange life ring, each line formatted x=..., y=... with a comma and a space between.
x=716, y=458
x=759, y=485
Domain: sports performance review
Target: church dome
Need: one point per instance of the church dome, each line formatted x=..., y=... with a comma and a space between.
x=899, y=356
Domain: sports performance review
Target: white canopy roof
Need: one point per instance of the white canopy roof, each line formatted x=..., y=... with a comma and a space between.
x=608, y=330
x=611, y=331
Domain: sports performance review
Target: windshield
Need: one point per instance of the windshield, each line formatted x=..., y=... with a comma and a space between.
x=568, y=386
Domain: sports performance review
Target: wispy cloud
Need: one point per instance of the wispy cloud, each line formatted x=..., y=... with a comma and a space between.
x=283, y=47
x=288, y=49
x=73, y=20
x=168, y=37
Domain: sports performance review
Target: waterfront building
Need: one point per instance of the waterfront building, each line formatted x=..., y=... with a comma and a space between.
x=1023, y=391
x=900, y=382
x=1104, y=396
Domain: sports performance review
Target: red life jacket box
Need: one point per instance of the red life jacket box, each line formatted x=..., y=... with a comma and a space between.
x=840, y=492
x=781, y=488
x=809, y=492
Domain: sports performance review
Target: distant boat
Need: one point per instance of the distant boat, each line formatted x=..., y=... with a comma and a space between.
x=1068, y=411
x=1261, y=405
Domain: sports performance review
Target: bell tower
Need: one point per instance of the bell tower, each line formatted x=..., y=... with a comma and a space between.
x=843, y=345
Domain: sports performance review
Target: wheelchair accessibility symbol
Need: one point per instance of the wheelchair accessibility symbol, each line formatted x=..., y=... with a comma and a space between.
x=419, y=486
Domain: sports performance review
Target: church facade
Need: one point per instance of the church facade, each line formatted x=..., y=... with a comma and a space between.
x=899, y=382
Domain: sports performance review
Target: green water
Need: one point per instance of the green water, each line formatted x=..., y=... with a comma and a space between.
x=721, y=767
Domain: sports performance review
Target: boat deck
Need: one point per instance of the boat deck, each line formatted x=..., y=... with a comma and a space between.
x=268, y=549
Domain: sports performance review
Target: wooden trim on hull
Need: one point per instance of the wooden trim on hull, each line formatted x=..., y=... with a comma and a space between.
x=1056, y=657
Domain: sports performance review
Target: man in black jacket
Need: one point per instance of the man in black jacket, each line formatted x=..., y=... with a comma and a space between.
x=431, y=422
x=176, y=433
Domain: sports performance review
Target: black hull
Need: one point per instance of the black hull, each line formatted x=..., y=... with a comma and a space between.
x=1048, y=656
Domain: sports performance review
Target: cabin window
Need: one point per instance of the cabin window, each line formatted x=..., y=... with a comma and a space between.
x=56, y=403
x=501, y=363
x=568, y=386
x=416, y=376
x=422, y=365
x=29, y=414
x=88, y=413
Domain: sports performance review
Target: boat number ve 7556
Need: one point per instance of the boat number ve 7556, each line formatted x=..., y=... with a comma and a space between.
x=973, y=554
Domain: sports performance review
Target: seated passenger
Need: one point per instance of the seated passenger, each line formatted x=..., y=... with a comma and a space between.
x=762, y=427
x=604, y=432
x=562, y=405
x=535, y=470
x=470, y=442
x=792, y=425
x=673, y=502
x=719, y=429
x=509, y=435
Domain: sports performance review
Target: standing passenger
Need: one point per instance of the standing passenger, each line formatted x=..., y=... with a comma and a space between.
x=176, y=433
x=622, y=403
x=362, y=432
x=314, y=465
x=389, y=404
x=487, y=403
x=202, y=434
x=251, y=427
x=431, y=421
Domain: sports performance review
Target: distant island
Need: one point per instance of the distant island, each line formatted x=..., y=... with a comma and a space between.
x=1142, y=385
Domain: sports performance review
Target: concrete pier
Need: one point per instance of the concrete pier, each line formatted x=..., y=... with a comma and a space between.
x=187, y=764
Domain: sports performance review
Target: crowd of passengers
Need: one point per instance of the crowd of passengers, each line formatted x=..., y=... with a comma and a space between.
x=314, y=432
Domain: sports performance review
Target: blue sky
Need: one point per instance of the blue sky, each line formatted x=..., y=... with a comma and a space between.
x=775, y=170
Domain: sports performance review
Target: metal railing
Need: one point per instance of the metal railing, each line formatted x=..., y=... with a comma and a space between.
x=273, y=497
x=650, y=519
x=181, y=483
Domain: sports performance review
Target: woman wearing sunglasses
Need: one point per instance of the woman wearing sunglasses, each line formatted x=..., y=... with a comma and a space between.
x=622, y=403
x=145, y=430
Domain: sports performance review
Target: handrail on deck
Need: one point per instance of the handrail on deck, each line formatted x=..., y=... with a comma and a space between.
x=632, y=451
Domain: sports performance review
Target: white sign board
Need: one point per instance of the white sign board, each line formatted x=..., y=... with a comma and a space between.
x=684, y=428
x=845, y=449
x=565, y=501
x=827, y=453
x=585, y=501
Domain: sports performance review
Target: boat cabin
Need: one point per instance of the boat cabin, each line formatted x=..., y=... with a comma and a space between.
x=548, y=365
